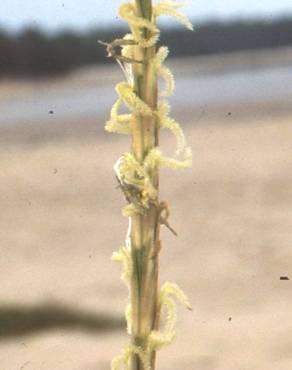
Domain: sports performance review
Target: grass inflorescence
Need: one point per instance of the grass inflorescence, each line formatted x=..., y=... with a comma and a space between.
x=151, y=313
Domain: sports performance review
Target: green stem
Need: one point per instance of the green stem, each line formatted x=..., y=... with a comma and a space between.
x=145, y=228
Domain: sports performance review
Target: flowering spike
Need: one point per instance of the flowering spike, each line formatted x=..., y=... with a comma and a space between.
x=137, y=173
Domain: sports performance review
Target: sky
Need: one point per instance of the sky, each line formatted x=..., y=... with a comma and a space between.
x=53, y=15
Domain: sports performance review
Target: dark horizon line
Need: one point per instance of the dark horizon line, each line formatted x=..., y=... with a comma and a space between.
x=198, y=23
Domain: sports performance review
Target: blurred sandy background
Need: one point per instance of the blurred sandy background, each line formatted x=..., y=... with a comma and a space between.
x=61, y=297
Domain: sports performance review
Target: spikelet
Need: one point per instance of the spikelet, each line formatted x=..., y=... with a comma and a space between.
x=124, y=359
x=152, y=159
x=163, y=71
x=159, y=339
x=168, y=291
x=149, y=42
x=166, y=122
x=128, y=315
x=161, y=55
x=120, y=361
x=119, y=123
x=127, y=11
x=178, y=164
x=169, y=8
x=132, y=101
x=175, y=128
x=133, y=173
x=168, y=78
x=156, y=159
x=124, y=256
x=135, y=176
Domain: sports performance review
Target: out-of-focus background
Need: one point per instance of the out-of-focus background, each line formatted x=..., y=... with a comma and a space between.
x=61, y=300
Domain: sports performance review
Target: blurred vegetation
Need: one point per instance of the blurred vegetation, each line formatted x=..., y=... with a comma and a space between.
x=25, y=320
x=33, y=53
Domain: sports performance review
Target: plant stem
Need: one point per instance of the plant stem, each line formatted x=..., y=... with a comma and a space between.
x=145, y=228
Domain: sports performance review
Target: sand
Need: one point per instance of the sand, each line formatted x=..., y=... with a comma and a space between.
x=60, y=222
